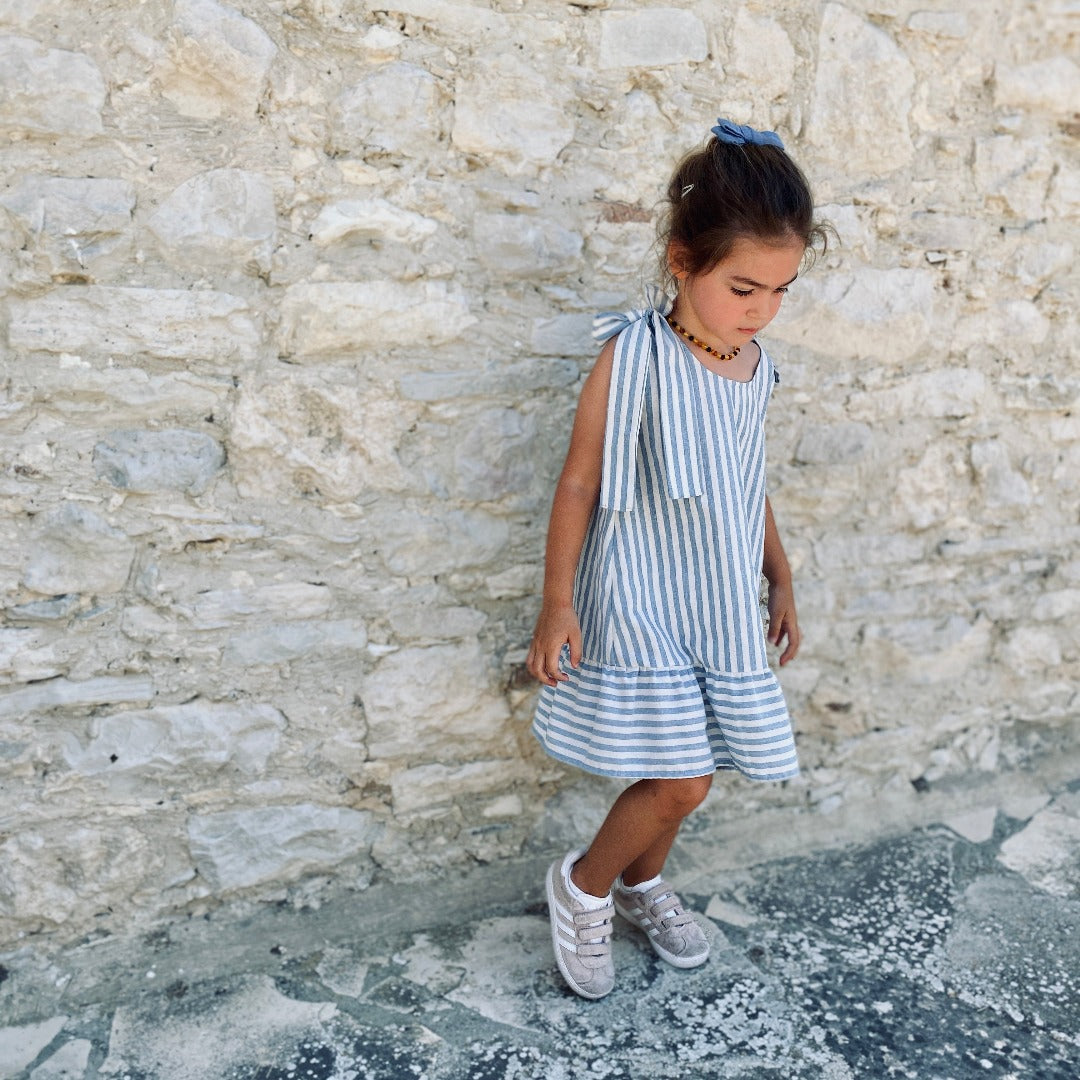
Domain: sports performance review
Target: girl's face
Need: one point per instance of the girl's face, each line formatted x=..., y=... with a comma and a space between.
x=727, y=305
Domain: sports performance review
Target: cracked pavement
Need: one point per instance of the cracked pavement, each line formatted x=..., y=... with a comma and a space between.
x=941, y=950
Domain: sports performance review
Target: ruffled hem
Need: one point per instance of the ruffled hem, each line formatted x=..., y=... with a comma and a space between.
x=669, y=724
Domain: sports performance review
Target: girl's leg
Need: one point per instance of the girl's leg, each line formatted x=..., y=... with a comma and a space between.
x=638, y=832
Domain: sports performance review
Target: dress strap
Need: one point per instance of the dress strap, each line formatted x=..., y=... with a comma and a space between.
x=646, y=342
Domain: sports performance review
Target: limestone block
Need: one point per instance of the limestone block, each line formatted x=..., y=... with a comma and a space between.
x=429, y=785
x=397, y=109
x=944, y=232
x=370, y=219
x=74, y=224
x=423, y=614
x=175, y=460
x=516, y=380
x=513, y=246
x=1051, y=84
x=1032, y=651
x=218, y=60
x=58, y=871
x=833, y=444
x=198, y=735
x=883, y=313
x=294, y=641
x=1064, y=197
x=952, y=392
x=22, y=13
x=362, y=316
x=19, y=1046
x=175, y=324
x=77, y=551
x=236, y=849
x=48, y=91
x=563, y=335
x=1002, y=484
x=651, y=38
x=763, y=55
x=68, y=1063
x=125, y=394
x=947, y=24
x=929, y=491
x=218, y=218
x=219, y=609
x=1010, y=320
x=1044, y=851
x=526, y=579
x=862, y=97
x=423, y=543
x=496, y=457
x=15, y=642
x=318, y=436
x=1036, y=265
x=513, y=113
x=433, y=703
x=72, y=695
x=1014, y=174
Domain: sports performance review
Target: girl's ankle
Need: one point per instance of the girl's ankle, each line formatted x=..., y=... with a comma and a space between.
x=584, y=887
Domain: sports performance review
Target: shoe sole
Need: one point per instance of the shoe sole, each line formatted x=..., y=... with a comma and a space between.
x=555, y=943
x=684, y=962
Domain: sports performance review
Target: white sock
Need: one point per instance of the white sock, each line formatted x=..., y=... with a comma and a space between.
x=590, y=901
x=644, y=886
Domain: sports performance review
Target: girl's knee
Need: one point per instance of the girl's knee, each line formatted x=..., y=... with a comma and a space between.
x=679, y=798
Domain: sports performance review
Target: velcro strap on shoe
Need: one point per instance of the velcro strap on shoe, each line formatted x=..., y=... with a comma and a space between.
x=664, y=907
x=592, y=925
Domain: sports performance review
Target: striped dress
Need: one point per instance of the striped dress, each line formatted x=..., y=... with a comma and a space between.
x=674, y=680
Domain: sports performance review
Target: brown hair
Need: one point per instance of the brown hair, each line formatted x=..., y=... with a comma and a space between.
x=726, y=191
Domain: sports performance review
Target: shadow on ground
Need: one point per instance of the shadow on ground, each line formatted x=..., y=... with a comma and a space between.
x=946, y=951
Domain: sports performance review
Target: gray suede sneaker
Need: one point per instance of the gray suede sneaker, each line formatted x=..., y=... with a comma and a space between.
x=659, y=914
x=582, y=937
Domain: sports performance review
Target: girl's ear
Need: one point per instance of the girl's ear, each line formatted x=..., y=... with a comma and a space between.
x=676, y=260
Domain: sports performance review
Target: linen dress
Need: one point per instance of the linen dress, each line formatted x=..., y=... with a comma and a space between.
x=674, y=680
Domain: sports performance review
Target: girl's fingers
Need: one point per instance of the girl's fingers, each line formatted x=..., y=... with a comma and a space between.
x=575, y=649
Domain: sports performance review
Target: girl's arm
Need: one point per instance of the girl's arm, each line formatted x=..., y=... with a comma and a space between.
x=575, y=498
x=782, y=618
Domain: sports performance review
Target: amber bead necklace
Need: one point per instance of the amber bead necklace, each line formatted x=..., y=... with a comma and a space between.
x=683, y=332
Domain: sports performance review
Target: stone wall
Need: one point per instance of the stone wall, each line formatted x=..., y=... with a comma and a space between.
x=295, y=307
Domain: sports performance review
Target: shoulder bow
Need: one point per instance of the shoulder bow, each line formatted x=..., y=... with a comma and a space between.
x=647, y=344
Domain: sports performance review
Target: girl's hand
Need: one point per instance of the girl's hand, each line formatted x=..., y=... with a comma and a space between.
x=782, y=619
x=555, y=628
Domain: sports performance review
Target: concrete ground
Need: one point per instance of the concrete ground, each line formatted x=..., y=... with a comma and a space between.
x=936, y=938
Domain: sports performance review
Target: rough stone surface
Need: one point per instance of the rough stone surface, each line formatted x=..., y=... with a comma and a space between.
x=217, y=60
x=45, y=91
x=905, y=952
x=77, y=227
x=651, y=38
x=862, y=96
x=235, y=849
x=224, y=216
x=151, y=460
x=171, y=323
x=295, y=303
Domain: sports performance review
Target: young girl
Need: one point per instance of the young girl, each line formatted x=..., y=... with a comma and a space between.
x=650, y=643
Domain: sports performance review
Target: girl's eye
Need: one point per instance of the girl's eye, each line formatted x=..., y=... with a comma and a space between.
x=741, y=292
x=782, y=289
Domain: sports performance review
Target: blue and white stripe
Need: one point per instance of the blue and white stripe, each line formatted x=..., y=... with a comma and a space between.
x=674, y=680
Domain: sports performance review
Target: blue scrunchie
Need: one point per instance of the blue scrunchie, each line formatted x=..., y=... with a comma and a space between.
x=740, y=134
